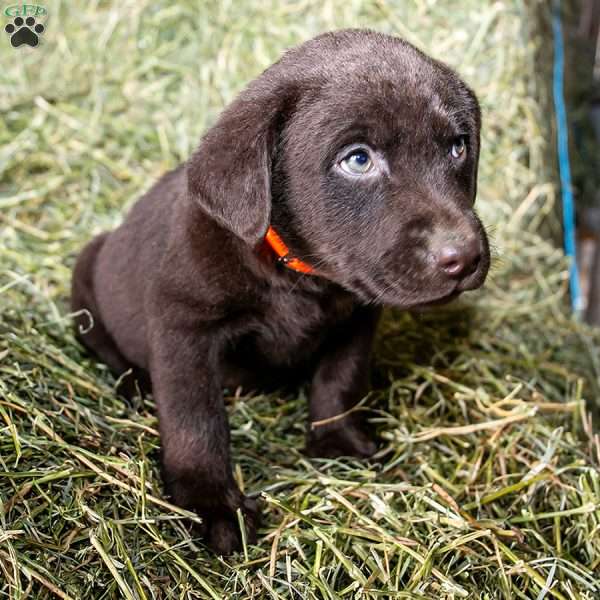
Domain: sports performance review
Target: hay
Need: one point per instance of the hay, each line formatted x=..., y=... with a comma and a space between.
x=488, y=481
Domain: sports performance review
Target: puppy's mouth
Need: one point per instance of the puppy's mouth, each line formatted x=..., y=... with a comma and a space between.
x=383, y=293
x=426, y=292
x=418, y=304
x=438, y=301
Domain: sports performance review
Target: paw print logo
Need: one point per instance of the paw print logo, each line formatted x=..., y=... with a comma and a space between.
x=24, y=31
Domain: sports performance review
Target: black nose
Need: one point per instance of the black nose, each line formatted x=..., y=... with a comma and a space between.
x=459, y=259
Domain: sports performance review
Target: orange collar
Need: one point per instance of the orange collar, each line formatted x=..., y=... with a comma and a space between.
x=283, y=253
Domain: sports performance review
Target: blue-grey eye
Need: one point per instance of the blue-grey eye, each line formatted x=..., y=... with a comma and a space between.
x=459, y=147
x=357, y=162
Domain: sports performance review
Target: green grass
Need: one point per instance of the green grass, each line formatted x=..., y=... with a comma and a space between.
x=488, y=481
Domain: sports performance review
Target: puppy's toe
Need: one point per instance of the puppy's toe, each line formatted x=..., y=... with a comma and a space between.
x=363, y=446
x=223, y=536
x=222, y=531
x=251, y=512
x=346, y=441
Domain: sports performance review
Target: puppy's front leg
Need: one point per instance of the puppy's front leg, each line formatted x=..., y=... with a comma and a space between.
x=194, y=430
x=340, y=382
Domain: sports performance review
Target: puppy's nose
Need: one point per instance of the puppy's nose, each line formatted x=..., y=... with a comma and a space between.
x=459, y=260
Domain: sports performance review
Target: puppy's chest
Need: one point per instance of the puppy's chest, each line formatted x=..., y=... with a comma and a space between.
x=292, y=327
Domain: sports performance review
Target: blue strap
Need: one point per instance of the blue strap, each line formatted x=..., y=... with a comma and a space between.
x=563, y=159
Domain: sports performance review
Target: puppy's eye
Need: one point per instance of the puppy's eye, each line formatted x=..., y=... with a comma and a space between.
x=459, y=147
x=357, y=163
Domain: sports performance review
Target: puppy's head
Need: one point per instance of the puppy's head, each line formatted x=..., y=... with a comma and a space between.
x=362, y=152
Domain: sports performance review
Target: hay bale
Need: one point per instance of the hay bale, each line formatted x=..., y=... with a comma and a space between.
x=488, y=482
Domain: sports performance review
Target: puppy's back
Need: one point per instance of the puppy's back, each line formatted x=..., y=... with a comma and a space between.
x=129, y=259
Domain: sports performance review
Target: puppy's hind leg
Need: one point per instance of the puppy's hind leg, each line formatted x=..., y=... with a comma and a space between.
x=89, y=328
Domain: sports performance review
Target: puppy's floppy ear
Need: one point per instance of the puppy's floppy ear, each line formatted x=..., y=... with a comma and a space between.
x=230, y=173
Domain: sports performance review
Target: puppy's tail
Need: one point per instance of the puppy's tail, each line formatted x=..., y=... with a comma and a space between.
x=82, y=285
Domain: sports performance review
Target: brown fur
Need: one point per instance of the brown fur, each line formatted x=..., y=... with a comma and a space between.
x=185, y=293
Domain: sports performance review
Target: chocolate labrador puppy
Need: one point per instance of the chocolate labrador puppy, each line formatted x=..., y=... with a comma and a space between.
x=340, y=180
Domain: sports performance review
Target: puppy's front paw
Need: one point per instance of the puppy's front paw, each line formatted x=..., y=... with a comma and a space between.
x=217, y=505
x=345, y=439
x=222, y=528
